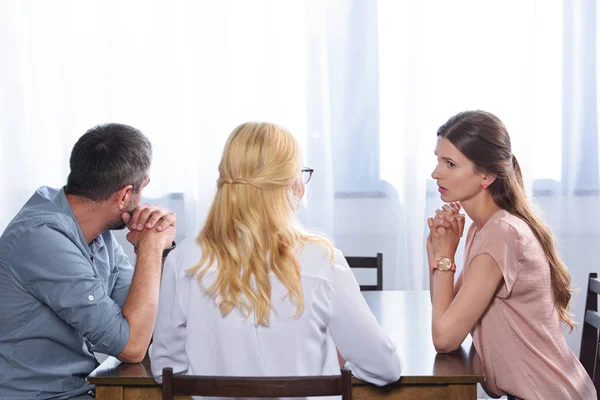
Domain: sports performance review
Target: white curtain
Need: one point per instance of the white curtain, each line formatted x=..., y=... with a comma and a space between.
x=363, y=85
x=437, y=58
x=185, y=73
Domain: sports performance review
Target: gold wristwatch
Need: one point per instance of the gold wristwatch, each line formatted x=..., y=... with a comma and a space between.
x=443, y=264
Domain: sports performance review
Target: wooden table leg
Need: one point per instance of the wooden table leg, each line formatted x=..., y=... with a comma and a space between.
x=109, y=392
x=462, y=392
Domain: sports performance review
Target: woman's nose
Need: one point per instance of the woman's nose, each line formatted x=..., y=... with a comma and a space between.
x=435, y=174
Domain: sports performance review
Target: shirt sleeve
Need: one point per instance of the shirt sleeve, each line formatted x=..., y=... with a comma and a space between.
x=369, y=352
x=124, y=274
x=54, y=270
x=168, y=344
x=500, y=241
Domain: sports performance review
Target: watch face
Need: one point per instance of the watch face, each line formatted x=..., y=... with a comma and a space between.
x=444, y=264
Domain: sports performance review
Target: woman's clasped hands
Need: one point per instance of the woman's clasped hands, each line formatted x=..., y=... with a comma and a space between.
x=445, y=230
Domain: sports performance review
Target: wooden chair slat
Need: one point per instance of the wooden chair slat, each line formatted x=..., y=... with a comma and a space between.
x=592, y=318
x=259, y=387
x=595, y=285
x=369, y=263
x=590, y=338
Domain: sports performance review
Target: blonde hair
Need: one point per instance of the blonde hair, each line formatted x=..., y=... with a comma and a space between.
x=251, y=229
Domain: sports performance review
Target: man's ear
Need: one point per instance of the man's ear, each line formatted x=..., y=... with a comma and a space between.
x=123, y=196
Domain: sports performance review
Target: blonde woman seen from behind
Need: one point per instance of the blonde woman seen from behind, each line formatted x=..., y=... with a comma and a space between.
x=255, y=294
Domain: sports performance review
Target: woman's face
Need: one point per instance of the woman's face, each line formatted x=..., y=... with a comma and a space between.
x=455, y=174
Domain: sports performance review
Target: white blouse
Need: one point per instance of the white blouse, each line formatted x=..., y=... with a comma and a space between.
x=192, y=336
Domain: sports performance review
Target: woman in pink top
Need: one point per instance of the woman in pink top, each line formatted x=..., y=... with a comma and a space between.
x=513, y=292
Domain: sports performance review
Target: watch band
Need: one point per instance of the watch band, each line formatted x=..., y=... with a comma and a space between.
x=167, y=251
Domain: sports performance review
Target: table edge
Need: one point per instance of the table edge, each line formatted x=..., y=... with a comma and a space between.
x=404, y=380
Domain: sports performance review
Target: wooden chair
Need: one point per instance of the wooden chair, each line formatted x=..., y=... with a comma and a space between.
x=226, y=386
x=588, y=354
x=371, y=263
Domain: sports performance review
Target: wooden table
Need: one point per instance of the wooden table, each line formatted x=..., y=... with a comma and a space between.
x=404, y=315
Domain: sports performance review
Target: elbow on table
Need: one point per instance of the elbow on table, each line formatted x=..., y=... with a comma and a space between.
x=385, y=371
x=132, y=354
x=392, y=371
x=443, y=343
x=443, y=348
x=395, y=371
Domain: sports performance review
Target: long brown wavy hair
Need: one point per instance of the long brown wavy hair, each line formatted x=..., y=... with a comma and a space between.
x=251, y=229
x=484, y=140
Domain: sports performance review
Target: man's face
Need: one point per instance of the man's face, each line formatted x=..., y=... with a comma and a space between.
x=134, y=201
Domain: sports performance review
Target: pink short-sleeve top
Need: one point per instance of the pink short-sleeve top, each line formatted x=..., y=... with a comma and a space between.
x=520, y=338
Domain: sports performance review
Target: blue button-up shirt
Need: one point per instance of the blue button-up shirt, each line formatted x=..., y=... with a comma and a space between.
x=60, y=300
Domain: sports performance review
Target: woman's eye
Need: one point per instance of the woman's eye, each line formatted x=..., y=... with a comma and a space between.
x=451, y=164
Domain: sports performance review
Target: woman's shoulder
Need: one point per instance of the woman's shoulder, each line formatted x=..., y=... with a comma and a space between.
x=314, y=257
x=320, y=258
x=504, y=226
x=503, y=232
x=186, y=254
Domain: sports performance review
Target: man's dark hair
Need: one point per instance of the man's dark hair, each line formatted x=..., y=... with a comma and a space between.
x=106, y=158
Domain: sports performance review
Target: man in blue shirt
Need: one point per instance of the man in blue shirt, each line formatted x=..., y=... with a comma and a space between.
x=67, y=288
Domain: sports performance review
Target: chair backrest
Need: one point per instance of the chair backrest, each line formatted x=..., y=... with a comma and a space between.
x=369, y=262
x=588, y=354
x=227, y=386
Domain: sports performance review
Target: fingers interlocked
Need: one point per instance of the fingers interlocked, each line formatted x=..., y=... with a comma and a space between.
x=449, y=218
x=148, y=216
